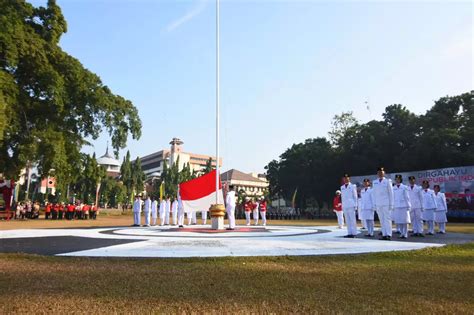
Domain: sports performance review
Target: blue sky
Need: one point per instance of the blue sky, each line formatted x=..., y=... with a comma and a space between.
x=287, y=67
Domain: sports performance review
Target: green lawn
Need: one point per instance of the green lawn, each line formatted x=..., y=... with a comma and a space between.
x=434, y=280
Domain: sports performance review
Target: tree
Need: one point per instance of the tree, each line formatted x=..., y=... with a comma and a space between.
x=340, y=124
x=138, y=177
x=126, y=176
x=208, y=168
x=49, y=103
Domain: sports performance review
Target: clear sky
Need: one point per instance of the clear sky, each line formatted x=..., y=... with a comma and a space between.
x=287, y=67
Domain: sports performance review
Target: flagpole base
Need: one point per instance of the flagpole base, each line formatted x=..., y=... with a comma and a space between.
x=217, y=216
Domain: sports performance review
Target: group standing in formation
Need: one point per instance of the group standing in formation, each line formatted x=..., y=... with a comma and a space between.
x=394, y=203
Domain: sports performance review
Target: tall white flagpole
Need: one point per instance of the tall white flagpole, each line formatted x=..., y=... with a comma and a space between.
x=217, y=101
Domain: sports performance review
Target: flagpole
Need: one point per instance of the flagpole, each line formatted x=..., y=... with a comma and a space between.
x=217, y=101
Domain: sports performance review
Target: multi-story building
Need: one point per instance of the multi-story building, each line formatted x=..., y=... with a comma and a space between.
x=252, y=184
x=153, y=163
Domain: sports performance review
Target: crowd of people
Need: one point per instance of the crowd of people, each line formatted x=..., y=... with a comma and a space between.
x=394, y=203
x=56, y=211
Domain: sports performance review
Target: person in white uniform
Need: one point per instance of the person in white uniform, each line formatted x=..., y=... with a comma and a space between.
x=154, y=211
x=416, y=198
x=162, y=211
x=382, y=193
x=429, y=207
x=255, y=211
x=349, y=205
x=147, y=210
x=366, y=208
x=167, y=211
x=263, y=210
x=174, y=211
x=180, y=212
x=230, y=207
x=204, y=217
x=402, y=206
x=337, y=209
x=440, y=217
x=137, y=209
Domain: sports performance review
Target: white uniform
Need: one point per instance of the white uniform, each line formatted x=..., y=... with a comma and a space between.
x=440, y=212
x=349, y=206
x=137, y=209
x=416, y=212
x=204, y=217
x=162, y=212
x=174, y=211
x=382, y=196
x=429, y=207
x=154, y=212
x=230, y=208
x=167, y=211
x=402, y=206
x=366, y=209
x=180, y=212
x=255, y=213
x=147, y=211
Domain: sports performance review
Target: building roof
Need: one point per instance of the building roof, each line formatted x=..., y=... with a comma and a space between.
x=234, y=174
x=107, y=159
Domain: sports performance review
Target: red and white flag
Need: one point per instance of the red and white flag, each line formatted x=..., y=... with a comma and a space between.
x=200, y=193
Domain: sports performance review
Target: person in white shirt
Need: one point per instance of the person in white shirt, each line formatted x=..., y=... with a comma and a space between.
x=366, y=208
x=180, y=212
x=382, y=193
x=255, y=212
x=441, y=208
x=154, y=211
x=204, y=217
x=137, y=209
x=349, y=205
x=174, y=211
x=167, y=210
x=230, y=207
x=147, y=210
x=162, y=211
x=429, y=206
x=402, y=206
x=416, y=212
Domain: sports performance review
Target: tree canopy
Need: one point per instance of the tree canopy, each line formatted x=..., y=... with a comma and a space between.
x=401, y=141
x=49, y=102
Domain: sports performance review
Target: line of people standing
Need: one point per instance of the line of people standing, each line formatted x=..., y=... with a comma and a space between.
x=398, y=203
x=71, y=211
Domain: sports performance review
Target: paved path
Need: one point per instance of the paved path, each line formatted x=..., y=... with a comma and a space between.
x=200, y=241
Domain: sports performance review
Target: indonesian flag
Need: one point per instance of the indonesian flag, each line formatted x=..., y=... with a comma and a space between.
x=200, y=193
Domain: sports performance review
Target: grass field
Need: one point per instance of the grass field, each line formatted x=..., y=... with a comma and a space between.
x=435, y=280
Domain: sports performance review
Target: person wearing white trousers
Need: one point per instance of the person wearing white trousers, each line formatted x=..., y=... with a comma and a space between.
x=440, y=217
x=263, y=210
x=154, y=211
x=147, y=211
x=174, y=211
x=337, y=209
x=204, y=217
x=349, y=205
x=255, y=212
x=162, y=211
x=416, y=212
x=180, y=212
x=167, y=211
x=382, y=193
x=230, y=207
x=402, y=206
x=366, y=208
x=248, y=210
x=429, y=207
x=137, y=209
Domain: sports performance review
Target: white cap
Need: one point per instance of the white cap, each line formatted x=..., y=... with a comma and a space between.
x=338, y=192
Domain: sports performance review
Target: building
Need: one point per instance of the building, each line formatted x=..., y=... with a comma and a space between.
x=153, y=163
x=111, y=165
x=252, y=184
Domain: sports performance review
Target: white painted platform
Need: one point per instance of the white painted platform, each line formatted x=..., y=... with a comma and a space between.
x=275, y=241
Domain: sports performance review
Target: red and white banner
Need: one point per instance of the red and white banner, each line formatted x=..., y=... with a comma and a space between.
x=200, y=193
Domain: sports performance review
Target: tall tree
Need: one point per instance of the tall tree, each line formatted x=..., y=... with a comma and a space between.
x=51, y=104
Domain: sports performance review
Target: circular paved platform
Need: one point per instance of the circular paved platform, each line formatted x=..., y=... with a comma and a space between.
x=200, y=241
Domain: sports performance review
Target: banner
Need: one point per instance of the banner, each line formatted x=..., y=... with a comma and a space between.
x=456, y=182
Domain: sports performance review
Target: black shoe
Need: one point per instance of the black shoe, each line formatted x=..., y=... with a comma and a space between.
x=368, y=235
x=181, y=226
x=349, y=236
x=429, y=234
x=421, y=235
x=403, y=237
x=398, y=232
x=230, y=229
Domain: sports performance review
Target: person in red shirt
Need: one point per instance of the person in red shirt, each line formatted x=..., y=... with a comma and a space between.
x=70, y=211
x=47, y=211
x=93, y=212
x=263, y=210
x=55, y=211
x=61, y=211
x=85, y=211
x=337, y=208
x=248, y=207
